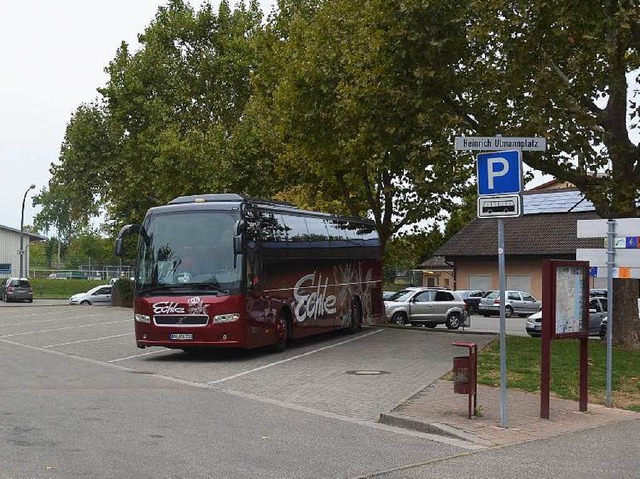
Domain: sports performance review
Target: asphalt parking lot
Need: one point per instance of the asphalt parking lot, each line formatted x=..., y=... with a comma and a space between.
x=356, y=376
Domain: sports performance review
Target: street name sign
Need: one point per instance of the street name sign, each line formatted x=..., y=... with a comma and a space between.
x=598, y=228
x=499, y=173
x=496, y=143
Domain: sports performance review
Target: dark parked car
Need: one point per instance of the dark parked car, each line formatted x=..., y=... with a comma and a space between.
x=598, y=293
x=16, y=289
x=472, y=298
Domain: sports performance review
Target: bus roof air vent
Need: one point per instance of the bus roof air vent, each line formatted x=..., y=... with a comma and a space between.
x=208, y=198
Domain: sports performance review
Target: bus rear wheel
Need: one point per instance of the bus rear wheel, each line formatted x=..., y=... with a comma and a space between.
x=282, y=333
x=355, y=317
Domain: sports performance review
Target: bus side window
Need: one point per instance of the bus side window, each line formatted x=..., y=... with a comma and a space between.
x=297, y=236
x=318, y=236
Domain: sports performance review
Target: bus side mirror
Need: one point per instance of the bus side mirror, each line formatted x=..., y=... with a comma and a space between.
x=126, y=231
x=119, y=249
x=237, y=238
x=237, y=244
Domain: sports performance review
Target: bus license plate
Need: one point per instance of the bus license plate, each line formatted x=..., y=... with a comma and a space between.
x=181, y=336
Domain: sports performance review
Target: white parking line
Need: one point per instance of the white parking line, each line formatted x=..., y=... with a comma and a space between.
x=62, y=329
x=217, y=381
x=86, y=340
x=63, y=318
x=140, y=355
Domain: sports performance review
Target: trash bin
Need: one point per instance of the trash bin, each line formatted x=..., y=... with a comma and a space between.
x=465, y=373
x=461, y=379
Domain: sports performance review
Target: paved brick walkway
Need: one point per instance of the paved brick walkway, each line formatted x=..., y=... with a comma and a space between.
x=437, y=409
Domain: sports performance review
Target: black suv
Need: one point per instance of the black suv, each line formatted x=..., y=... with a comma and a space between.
x=14, y=289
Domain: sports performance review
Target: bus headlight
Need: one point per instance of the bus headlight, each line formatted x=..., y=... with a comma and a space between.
x=226, y=318
x=142, y=318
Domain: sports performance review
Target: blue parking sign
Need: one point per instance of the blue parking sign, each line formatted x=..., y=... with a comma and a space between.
x=499, y=172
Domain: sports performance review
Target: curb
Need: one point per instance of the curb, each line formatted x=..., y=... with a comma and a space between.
x=436, y=330
x=435, y=428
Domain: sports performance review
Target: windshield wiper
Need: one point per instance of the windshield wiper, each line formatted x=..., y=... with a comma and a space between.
x=183, y=288
x=212, y=286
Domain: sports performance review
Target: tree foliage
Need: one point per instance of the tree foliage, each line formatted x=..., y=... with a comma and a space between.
x=169, y=121
x=363, y=109
x=563, y=69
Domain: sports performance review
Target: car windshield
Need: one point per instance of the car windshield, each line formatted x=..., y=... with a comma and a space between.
x=189, y=249
x=403, y=295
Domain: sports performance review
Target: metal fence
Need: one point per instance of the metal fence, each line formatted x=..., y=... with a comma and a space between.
x=102, y=273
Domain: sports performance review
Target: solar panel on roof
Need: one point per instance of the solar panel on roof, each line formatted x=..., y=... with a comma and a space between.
x=556, y=202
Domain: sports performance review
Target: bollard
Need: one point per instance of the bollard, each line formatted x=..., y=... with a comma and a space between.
x=465, y=373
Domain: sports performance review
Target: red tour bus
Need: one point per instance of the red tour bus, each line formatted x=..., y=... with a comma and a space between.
x=223, y=270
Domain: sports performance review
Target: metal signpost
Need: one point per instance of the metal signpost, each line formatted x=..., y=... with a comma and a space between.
x=621, y=259
x=499, y=196
x=499, y=186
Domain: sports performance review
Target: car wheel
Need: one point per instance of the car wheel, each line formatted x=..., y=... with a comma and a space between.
x=508, y=311
x=431, y=325
x=453, y=321
x=85, y=303
x=399, y=318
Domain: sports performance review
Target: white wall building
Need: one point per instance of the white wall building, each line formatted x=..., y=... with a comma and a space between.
x=10, y=251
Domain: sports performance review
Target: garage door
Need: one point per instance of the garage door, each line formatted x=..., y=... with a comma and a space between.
x=479, y=281
x=519, y=282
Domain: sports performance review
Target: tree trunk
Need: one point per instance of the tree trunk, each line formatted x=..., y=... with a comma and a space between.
x=626, y=324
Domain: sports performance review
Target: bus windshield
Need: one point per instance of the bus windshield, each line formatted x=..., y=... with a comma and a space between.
x=189, y=250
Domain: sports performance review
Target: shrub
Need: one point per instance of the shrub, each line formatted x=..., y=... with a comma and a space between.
x=122, y=293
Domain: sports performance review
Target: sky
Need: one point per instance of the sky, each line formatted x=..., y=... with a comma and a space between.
x=53, y=59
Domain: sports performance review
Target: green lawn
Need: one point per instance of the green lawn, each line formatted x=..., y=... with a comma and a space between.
x=61, y=288
x=523, y=369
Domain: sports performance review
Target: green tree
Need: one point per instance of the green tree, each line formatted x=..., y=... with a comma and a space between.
x=78, y=182
x=563, y=70
x=363, y=107
x=169, y=122
x=90, y=249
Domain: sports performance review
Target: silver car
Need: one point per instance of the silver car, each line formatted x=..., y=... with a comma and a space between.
x=518, y=302
x=427, y=306
x=98, y=295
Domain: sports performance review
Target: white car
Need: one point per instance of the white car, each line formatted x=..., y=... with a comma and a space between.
x=98, y=295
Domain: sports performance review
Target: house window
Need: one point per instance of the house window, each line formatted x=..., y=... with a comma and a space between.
x=5, y=268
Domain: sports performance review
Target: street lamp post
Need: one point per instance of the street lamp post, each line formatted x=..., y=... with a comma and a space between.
x=21, y=252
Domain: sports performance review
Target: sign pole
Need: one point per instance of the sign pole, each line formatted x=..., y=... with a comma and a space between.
x=611, y=257
x=503, y=326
